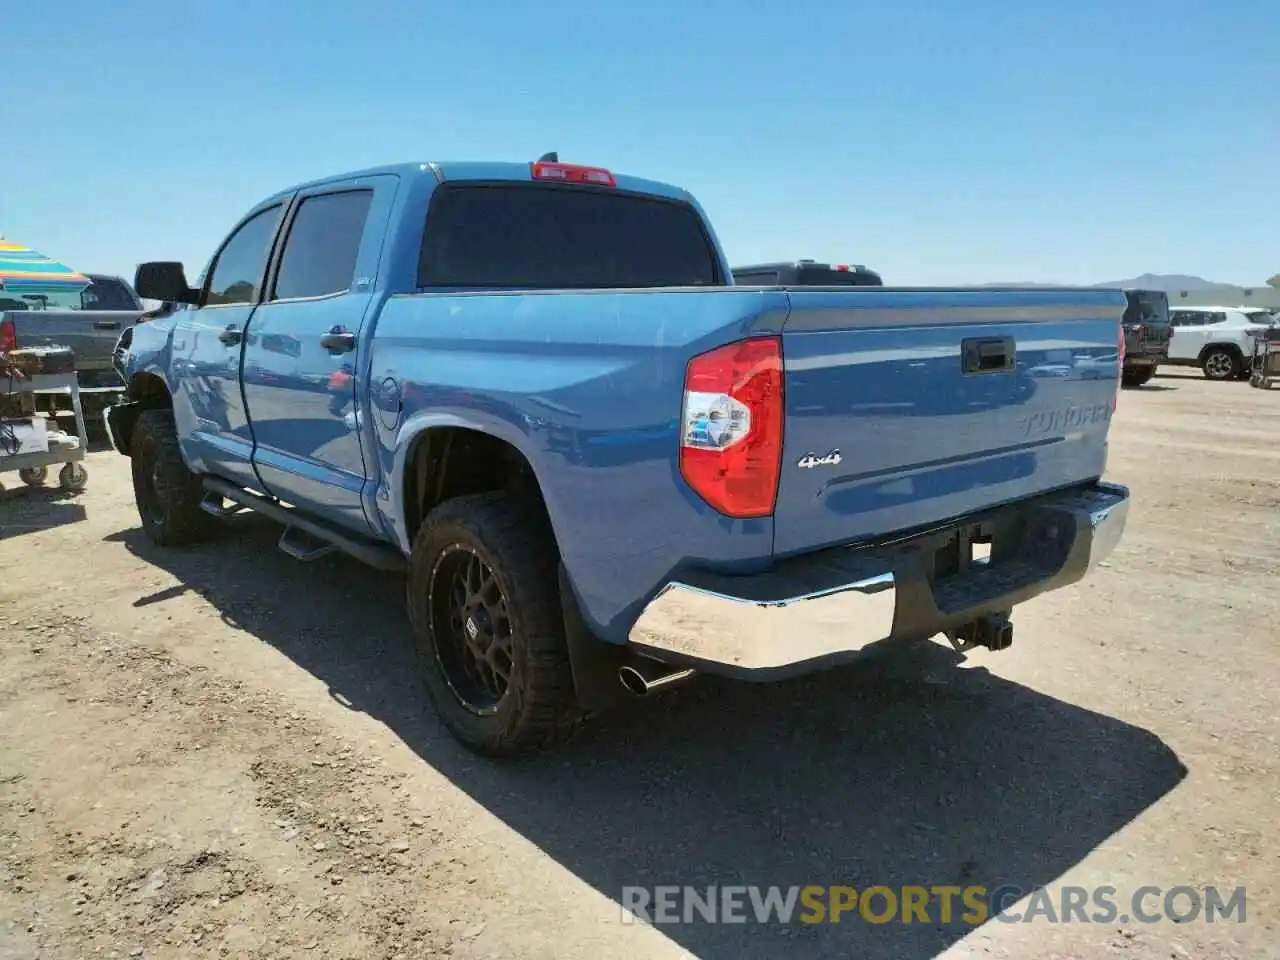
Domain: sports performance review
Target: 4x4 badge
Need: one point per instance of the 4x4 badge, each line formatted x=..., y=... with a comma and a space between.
x=809, y=461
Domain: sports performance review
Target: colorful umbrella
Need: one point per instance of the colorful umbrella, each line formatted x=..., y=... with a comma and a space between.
x=23, y=270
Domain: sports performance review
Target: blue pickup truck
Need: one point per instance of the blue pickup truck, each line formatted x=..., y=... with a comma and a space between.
x=603, y=466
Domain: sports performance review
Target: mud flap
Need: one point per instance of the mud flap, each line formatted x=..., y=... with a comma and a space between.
x=593, y=662
x=120, y=419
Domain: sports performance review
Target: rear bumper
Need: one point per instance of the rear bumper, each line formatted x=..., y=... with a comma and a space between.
x=1145, y=360
x=819, y=609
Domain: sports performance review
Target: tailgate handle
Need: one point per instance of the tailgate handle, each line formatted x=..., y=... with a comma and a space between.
x=987, y=355
x=106, y=324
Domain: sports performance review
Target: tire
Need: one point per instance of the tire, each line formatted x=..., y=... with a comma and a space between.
x=1219, y=363
x=510, y=539
x=167, y=494
x=1137, y=378
x=34, y=476
x=73, y=477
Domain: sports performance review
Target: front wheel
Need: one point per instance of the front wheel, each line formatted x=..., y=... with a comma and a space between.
x=168, y=495
x=485, y=608
x=1220, y=364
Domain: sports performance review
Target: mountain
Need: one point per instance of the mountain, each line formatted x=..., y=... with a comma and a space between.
x=1168, y=282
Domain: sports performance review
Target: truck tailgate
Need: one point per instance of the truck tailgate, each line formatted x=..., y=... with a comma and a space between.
x=908, y=408
x=1147, y=339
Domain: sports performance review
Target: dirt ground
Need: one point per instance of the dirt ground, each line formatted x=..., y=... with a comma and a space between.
x=219, y=752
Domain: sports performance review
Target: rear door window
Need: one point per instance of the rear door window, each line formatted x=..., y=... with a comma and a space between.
x=324, y=240
x=549, y=237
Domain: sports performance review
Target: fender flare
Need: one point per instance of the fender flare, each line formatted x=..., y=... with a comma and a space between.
x=407, y=436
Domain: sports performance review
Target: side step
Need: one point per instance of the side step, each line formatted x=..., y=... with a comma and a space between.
x=377, y=555
x=216, y=505
x=300, y=545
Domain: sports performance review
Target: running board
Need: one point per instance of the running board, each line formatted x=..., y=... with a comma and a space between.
x=377, y=555
x=301, y=545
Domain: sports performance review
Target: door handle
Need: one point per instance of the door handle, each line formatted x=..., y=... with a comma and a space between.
x=338, y=340
x=231, y=336
x=987, y=355
x=106, y=324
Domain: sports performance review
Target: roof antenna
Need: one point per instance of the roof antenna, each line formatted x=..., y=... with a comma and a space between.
x=551, y=157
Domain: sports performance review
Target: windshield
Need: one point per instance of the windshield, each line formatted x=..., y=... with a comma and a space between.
x=550, y=237
x=1146, y=306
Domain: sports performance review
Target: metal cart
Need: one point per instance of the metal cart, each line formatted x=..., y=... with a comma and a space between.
x=33, y=467
x=1264, y=366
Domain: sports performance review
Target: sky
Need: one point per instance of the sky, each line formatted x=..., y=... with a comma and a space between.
x=955, y=143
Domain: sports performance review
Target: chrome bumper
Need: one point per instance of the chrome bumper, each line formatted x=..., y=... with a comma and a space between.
x=833, y=604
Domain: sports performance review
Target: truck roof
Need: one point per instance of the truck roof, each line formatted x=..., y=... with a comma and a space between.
x=482, y=170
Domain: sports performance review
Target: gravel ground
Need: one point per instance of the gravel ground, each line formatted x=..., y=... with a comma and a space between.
x=218, y=752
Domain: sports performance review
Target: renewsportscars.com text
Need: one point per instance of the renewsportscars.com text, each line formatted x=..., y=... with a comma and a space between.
x=971, y=905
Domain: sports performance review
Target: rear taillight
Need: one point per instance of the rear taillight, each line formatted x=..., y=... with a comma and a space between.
x=731, y=436
x=572, y=173
x=8, y=336
x=1119, y=367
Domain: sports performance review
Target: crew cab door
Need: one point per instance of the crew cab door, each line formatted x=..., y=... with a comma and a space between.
x=302, y=367
x=207, y=343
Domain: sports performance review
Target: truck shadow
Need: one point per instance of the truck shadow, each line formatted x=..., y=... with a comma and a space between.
x=910, y=770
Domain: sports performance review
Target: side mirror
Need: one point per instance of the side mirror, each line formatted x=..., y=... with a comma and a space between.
x=164, y=280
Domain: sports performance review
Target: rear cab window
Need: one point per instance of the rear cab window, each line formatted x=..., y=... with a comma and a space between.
x=805, y=273
x=536, y=236
x=1146, y=306
x=107, y=293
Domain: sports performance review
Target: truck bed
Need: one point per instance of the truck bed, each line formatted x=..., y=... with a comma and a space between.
x=590, y=385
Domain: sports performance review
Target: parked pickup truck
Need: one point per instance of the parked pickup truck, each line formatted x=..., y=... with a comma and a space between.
x=109, y=306
x=806, y=273
x=603, y=466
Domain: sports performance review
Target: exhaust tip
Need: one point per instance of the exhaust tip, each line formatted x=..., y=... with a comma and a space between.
x=640, y=681
x=633, y=681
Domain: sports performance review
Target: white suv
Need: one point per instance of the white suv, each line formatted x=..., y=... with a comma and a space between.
x=1218, y=340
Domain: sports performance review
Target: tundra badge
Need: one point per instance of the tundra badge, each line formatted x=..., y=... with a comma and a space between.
x=809, y=461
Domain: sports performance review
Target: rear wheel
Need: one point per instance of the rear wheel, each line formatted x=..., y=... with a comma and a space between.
x=1138, y=377
x=168, y=495
x=1221, y=364
x=485, y=609
x=34, y=476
